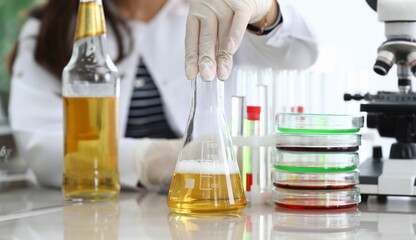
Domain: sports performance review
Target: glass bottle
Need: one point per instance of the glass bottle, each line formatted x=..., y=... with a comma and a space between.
x=207, y=178
x=90, y=91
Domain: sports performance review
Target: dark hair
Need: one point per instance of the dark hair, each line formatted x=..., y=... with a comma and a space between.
x=57, y=31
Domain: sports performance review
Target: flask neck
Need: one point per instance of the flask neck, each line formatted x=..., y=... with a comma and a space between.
x=90, y=37
x=208, y=96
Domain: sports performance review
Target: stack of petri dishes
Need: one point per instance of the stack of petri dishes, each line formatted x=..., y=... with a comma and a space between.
x=315, y=163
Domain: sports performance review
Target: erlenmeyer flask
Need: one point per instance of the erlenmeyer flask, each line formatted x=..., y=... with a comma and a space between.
x=207, y=178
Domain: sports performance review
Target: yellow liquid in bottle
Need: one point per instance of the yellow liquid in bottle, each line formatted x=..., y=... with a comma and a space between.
x=211, y=191
x=91, y=151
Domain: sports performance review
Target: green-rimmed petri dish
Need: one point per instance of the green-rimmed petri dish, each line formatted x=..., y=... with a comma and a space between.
x=318, y=123
x=315, y=161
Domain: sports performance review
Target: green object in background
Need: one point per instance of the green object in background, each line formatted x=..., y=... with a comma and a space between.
x=319, y=130
x=313, y=169
x=12, y=16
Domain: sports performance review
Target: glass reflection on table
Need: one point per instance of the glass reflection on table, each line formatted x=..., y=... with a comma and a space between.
x=92, y=221
x=315, y=224
x=183, y=227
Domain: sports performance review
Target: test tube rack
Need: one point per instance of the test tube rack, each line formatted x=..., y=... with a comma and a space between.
x=255, y=195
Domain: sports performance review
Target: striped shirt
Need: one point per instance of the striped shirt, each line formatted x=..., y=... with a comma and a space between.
x=146, y=115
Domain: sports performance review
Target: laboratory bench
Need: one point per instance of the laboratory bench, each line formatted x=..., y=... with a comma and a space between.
x=28, y=211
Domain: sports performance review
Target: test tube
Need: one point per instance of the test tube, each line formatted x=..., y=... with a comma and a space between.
x=251, y=80
x=238, y=101
x=302, y=91
x=251, y=154
x=267, y=78
x=237, y=115
x=291, y=89
x=317, y=98
x=263, y=172
x=308, y=93
x=237, y=118
x=239, y=82
x=283, y=92
x=277, y=94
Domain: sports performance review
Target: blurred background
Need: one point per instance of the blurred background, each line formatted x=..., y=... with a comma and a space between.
x=12, y=16
x=348, y=32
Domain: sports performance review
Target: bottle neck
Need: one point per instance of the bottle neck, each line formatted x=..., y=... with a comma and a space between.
x=90, y=37
x=90, y=50
x=208, y=96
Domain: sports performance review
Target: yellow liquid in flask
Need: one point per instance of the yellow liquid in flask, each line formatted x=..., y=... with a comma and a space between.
x=204, y=187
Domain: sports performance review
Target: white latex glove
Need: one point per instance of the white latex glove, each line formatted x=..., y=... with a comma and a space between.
x=156, y=161
x=214, y=31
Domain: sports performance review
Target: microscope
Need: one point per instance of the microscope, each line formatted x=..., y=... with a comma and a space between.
x=393, y=114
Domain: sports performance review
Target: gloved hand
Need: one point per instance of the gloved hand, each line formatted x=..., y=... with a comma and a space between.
x=156, y=161
x=214, y=31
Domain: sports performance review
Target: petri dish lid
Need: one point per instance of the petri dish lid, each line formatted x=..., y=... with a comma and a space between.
x=315, y=161
x=314, y=180
x=304, y=140
x=316, y=199
x=318, y=123
x=312, y=221
x=313, y=234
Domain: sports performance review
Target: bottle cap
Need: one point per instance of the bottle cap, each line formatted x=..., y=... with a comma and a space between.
x=253, y=113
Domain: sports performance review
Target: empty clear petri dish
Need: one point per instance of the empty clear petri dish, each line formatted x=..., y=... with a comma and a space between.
x=316, y=199
x=314, y=180
x=315, y=161
x=317, y=142
x=307, y=222
x=318, y=123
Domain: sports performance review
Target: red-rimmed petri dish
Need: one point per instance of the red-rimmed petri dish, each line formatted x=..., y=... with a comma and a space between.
x=305, y=142
x=315, y=180
x=316, y=199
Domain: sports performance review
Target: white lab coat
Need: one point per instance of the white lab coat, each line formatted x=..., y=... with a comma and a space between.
x=36, y=109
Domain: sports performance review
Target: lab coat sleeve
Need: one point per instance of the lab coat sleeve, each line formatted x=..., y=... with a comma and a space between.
x=36, y=117
x=291, y=45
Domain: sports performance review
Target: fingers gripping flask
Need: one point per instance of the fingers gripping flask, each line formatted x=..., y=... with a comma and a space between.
x=207, y=178
x=90, y=91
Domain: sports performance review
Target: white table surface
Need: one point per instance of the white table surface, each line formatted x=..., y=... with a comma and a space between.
x=29, y=212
